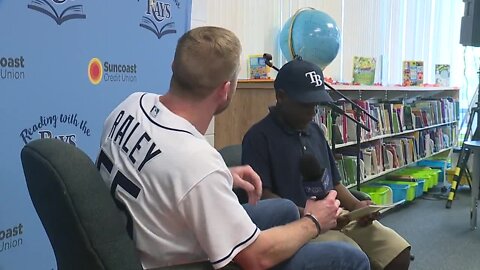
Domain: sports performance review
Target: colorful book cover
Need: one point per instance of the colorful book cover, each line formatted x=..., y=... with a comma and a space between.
x=257, y=68
x=363, y=70
x=408, y=118
x=350, y=166
x=341, y=169
x=442, y=75
x=412, y=73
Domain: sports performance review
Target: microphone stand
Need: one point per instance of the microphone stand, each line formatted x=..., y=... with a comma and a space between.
x=335, y=109
x=356, y=107
x=358, y=125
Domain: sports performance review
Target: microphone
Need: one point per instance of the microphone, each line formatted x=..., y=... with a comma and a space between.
x=268, y=61
x=314, y=177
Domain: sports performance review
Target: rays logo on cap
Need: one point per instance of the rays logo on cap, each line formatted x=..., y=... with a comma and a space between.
x=314, y=78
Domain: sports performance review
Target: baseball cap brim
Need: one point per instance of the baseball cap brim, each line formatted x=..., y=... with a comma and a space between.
x=316, y=96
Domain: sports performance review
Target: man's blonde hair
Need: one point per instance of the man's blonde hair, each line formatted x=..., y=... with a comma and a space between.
x=205, y=58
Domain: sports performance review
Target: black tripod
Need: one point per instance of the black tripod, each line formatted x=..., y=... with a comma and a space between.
x=465, y=152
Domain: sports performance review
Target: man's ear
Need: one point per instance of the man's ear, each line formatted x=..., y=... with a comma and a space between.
x=224, y=90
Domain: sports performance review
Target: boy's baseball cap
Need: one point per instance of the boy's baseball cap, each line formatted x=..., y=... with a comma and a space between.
x=302, y=81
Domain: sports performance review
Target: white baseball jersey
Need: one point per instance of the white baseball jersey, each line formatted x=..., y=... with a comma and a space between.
x=176, y=186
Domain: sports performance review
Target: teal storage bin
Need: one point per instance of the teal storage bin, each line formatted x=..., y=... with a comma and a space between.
x=443, y=165
x=420, y=187
x=410, y=187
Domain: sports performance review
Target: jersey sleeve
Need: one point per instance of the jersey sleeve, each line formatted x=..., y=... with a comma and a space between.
x=219, y=222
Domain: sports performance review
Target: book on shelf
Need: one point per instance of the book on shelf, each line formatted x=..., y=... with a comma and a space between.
x=364, y=70
x=398, y=145
x=398, y=108
x=393, y=158
x=364, y=119
x=257, y=68
x=408, y=117
x=388, y=111
x=367, y=161
x=412, y=73
x=341, y=169
x=442, y=75
x=395, y=122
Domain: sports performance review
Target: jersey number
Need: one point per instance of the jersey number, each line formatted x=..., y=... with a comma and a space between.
x=120, y=180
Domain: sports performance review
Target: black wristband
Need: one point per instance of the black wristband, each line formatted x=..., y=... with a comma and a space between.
x=315, y=221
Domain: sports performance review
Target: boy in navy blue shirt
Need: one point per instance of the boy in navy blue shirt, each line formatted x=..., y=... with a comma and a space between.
x=277, y=146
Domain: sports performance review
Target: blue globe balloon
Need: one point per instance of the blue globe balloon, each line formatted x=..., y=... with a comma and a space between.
x=311, y=34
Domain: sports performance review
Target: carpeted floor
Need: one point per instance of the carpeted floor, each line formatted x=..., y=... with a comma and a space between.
x=441, y=238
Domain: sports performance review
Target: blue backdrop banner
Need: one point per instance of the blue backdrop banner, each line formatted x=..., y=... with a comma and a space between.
x=64, y=65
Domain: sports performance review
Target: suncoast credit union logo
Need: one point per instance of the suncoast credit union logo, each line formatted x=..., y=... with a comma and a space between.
x=59, y=10
x=95, y=71
x=11, y=237
x=158, y=17
x=12, y=67
x=99, y=71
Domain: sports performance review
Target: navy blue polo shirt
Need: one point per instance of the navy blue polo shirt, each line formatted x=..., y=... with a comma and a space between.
x=274, y=151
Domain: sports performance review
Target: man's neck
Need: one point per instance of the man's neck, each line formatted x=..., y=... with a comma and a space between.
x=198, y=113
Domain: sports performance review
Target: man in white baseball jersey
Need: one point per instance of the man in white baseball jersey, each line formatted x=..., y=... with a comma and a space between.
x=177, y=191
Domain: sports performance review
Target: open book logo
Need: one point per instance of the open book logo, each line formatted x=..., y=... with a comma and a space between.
x=156, y=16
x=58, y=15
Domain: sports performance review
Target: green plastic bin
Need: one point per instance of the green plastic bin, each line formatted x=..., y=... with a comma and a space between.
x=428, y=174
x=379, y=194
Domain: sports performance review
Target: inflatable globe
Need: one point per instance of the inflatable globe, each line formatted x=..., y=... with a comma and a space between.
x=311, y=34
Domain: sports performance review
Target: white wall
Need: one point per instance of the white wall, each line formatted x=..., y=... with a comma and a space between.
x=257, y=23
x=390, y=30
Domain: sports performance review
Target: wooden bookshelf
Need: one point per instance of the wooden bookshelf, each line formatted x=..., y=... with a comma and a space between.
x=253, y=97
x=392, y=135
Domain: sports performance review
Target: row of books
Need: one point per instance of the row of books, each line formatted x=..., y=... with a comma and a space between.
x=393, y=117
x=391, y=153
x=364, y=72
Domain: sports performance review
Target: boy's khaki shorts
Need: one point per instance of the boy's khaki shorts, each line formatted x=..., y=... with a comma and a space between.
x=380, y=243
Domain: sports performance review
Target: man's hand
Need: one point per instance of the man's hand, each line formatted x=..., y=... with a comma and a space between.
x=367, y=220
x=326, y=211
x=246, y=178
